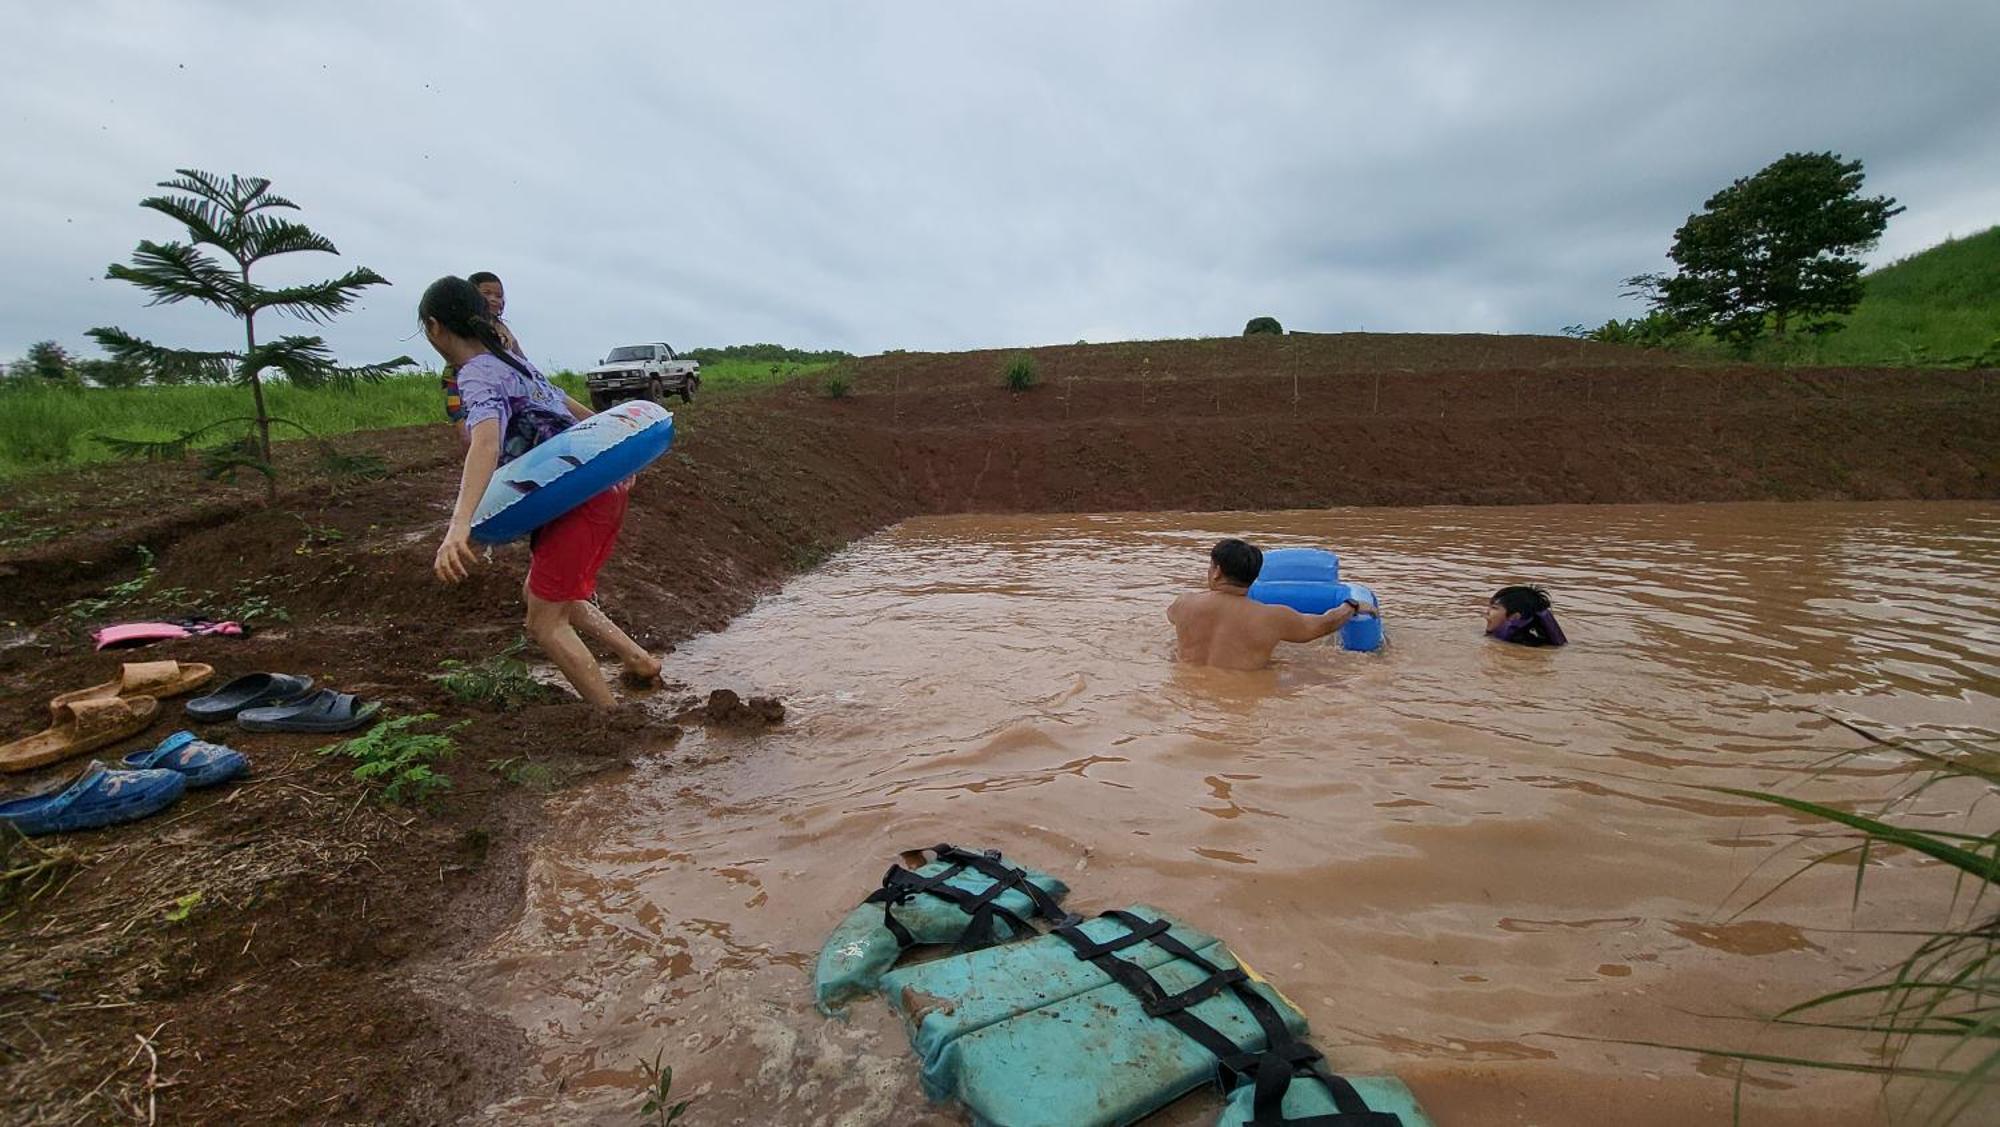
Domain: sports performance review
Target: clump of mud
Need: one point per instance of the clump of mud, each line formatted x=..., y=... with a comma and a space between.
x=725, y=709
x=575, y=728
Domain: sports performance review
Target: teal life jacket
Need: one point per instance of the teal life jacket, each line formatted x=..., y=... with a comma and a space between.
x=1099, y=1022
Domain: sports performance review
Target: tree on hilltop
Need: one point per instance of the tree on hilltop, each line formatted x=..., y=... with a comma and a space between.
x=1773, y=252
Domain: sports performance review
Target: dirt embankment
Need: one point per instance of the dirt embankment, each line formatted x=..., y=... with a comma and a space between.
x=283, y=991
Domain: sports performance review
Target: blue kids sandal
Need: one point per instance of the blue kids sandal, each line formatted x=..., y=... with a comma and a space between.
x=203, y=764
x=98, y=797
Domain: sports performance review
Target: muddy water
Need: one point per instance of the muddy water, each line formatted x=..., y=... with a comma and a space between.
x=1468, y=863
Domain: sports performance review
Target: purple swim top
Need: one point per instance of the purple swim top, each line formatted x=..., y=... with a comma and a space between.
x=1538, y=629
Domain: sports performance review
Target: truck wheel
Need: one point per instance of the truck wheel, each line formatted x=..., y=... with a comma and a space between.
x=656, y=391
x=687, y=391
x=599, y=401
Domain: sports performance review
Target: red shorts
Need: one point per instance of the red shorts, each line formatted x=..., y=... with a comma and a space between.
x=567, y=553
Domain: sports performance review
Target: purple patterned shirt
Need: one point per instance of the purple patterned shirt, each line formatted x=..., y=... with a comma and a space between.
x=528, y=408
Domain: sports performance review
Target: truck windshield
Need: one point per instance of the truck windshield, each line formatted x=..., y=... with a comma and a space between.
x=630, y=352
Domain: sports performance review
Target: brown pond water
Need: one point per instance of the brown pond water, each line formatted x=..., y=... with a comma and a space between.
x=1468, y=863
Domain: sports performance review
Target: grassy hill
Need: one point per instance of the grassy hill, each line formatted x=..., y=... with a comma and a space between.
x=1932, y=306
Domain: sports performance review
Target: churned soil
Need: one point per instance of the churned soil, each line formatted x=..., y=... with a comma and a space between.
x=252, y=954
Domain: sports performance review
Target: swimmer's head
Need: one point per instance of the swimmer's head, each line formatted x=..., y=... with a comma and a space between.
x=1508, y=602
x=1235, y=562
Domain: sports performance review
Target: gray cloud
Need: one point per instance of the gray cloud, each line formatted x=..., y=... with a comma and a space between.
x=916, y=175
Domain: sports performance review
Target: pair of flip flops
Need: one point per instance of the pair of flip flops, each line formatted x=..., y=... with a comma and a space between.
x=149, y=782
x=144, y=633
x=281, y=702
x=87, y=719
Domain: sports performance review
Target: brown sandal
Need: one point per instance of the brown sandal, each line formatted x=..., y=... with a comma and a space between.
x=85, y=725
x=156, y=679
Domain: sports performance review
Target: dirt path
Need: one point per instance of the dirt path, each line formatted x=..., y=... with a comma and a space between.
x=283, y=993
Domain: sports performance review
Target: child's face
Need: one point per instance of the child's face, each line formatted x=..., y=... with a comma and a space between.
x=1495, y=615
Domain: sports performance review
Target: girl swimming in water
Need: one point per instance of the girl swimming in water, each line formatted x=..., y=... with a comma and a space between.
x=1521, y=615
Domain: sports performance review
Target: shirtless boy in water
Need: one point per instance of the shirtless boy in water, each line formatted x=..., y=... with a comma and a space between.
x=1223, y=628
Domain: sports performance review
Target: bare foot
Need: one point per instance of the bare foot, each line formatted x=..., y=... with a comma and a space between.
x=642, y=675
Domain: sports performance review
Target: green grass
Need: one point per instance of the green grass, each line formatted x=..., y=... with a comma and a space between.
x=44, y=426
x=1932, y=306
x=745, y=375
x=1018, y=371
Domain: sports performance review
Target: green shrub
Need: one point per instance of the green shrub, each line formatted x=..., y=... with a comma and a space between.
x=398, y=759
x=502, y=680
x=1020, y=372
x=836, y=387
x=1259, y=325
x=1654, y=330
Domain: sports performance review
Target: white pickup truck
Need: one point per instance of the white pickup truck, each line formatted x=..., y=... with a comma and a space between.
x=654, y=371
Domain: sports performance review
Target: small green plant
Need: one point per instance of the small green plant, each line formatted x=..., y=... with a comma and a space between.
x=502, y=680
x=118, y=594
x=837, y=387
x=14, y=533
x=315, y=537
x=523, y=772
x=184, y=906
x=27, y=869
x=658, y=1089
x=1020, y=372
x=259, y=608
x=809, y=554
x=400, y=759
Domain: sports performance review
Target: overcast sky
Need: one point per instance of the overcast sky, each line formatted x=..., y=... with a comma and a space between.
x=934, y=175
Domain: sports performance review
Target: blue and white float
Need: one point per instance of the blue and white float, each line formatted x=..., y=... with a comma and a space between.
x=1308, y=581
x=571, y=468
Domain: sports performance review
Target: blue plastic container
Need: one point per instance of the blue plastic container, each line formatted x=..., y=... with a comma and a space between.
x=571, y=468
x=1308, y=581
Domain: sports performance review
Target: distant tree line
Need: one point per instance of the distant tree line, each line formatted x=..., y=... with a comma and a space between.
x=49, y=363
x=769, y=353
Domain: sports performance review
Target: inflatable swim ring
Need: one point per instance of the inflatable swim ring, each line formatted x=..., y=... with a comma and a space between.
x=1308, y=581
x=571, y=468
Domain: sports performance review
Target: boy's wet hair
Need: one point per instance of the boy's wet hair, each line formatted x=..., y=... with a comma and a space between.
x=1522, y=600
x=1239, y=560
x=483, y=277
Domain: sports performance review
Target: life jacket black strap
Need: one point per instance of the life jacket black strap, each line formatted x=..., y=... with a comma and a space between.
x=1271, y=1070
x=901, y=885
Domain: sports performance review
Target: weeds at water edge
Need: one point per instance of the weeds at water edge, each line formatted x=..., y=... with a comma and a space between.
x=658, y=1089
x=523, y=772
x=1936, y=1014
